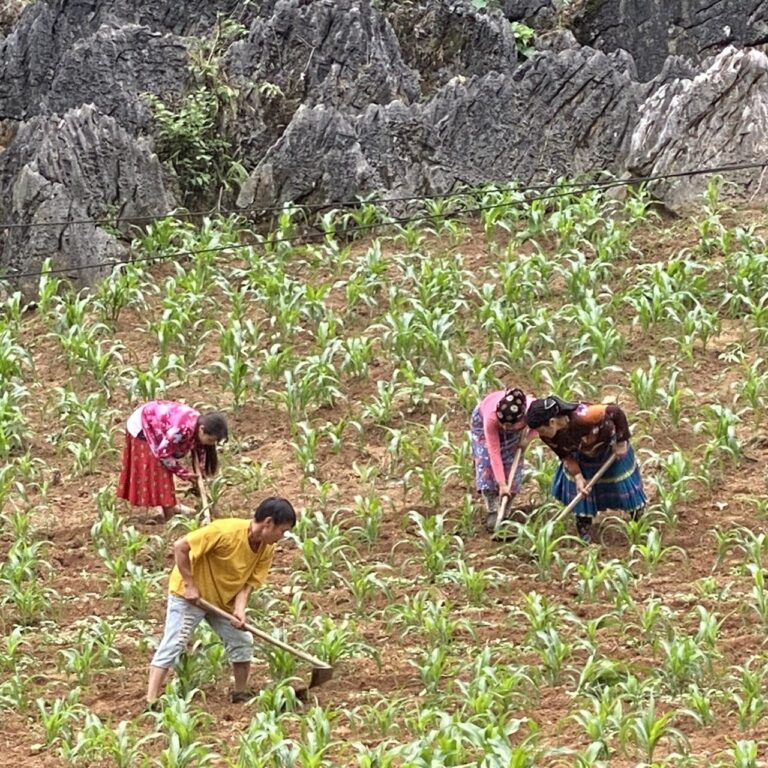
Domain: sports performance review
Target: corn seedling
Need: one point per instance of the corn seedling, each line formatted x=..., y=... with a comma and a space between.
x=436, y=546
x=600, y=721
x=652, y=552
x=59, y=717
x=321, y=543
x=645, y=730
x=365, y=582
x=747, y=694
x=684, y=661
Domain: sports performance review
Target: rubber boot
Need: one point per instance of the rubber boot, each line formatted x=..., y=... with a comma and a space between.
x=492, y=502
x=584, y=528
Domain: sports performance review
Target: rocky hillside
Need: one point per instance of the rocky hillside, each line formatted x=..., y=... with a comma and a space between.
x=122, y=109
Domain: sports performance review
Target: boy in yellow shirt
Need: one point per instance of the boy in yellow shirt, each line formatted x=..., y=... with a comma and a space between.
x=221, y=562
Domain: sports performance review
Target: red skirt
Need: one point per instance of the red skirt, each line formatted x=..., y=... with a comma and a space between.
x=144, y=481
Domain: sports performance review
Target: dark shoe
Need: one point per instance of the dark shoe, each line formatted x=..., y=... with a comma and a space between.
x=152, y=707
x=243, y=697
x=584, y=528
x=636, y=514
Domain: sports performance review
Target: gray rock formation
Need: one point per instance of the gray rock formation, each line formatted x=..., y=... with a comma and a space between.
x=441, y=39
x=341, y=53
x=348, y=97
x=539, y=14
x=79, y=166
x=717, y=118
x=137, y=58
x=64, y=54
x=470, y=132
x=651, y=30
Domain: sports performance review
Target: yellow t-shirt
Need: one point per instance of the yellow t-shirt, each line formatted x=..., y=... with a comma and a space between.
x=223, y=562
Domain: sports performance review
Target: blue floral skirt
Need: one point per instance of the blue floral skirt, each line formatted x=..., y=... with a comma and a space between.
x=621, y=487
x=508, y=441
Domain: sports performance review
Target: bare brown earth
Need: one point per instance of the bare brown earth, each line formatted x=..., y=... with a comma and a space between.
x=79, y=576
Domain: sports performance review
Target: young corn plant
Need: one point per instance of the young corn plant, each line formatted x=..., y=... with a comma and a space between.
x=644, y=731
x=369, y=511
x=334, y=642
x=474, y=582
x=746, y=694
x=494, y=688
x=758, y=594
x=365, y=582
x=97, y=743
x=431, y=666
x=59, y=718
x=743, y=754
x=598, y=579
x=553, y=652
x=321, y=543
x=162, y=374
x=541, y=541
x=720, y=424
x=436, y=547
x=601, y=720
x=685, y=660
x=699, y=702
x=651, y=553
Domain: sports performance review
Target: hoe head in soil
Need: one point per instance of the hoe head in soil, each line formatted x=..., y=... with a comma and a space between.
x=320, y=675
x=321, y=672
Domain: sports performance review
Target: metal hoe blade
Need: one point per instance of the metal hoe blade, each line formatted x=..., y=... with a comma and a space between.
x=320, y=675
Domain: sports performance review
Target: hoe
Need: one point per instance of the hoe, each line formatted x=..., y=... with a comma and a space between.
x=321, y=672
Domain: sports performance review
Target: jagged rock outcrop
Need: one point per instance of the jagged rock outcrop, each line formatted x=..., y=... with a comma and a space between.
x=441, y=40
x=651, y=30
x=140, y=60
x=336, y=52
x=561, y=113
x=341, y=53
x=82, y=165
x=719, y=117
x=64, y=54
x=539, y=14
x=340, y=99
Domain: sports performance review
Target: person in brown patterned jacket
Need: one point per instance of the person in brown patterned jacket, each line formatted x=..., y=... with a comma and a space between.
x=583, y=436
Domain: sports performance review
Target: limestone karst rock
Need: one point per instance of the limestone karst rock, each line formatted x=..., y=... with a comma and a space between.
x=562, y=113
x=651, y=30
x=82, y=165
x=719, y=117
x=339, y=98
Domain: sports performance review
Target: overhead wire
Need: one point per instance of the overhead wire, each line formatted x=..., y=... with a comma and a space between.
x=575, y=186
x=308, y=239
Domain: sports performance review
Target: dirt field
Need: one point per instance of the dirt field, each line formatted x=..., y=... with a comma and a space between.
x=645, y=648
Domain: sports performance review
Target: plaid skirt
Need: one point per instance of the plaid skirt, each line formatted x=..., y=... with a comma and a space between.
x=484, y=479
x=621, y=487
x=144, y=481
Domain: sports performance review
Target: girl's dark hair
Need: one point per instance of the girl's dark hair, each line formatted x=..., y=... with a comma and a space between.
x=215, y=424
x=279, y=509
x=541, y=411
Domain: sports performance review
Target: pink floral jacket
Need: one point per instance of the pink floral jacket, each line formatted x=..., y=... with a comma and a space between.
x=170, y=430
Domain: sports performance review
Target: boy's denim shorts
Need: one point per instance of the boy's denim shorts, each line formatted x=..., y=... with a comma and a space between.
x=181, y=619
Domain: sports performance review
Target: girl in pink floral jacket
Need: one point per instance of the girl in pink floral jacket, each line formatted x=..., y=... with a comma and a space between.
x=157, y=435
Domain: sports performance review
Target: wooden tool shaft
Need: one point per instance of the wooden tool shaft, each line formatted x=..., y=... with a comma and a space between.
x=592, y=482
x=502, y=513
x=256, y=632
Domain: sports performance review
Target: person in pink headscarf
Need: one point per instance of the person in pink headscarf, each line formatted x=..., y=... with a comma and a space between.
x=159, y=434
x=497, y=430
